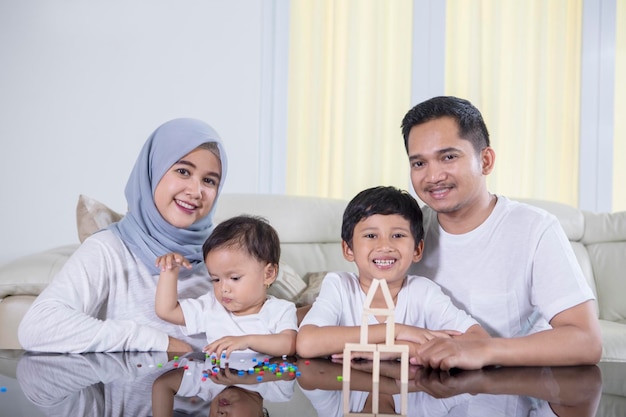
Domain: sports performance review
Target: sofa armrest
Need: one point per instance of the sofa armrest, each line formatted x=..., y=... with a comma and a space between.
x=21, y=281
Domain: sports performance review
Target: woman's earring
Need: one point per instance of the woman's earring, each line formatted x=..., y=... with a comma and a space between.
x=268, y=286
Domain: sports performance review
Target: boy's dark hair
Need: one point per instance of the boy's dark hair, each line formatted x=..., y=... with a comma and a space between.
x=251, y=233
x=468, y=118
x=382, y=200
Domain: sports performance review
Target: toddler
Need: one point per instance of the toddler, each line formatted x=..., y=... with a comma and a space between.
x=242, y=256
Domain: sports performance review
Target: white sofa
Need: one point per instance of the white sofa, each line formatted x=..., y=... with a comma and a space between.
x=310, y=228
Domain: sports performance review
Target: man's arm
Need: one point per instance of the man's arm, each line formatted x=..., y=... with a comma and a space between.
x=573, y=340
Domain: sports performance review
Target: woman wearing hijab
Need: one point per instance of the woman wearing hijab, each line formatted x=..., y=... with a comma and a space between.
x=102, y=300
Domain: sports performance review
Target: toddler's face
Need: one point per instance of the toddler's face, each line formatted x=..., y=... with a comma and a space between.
x=239, y=280
x=383, y=247
x=236, y=401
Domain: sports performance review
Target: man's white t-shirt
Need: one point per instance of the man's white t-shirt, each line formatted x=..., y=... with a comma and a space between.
x=513, y=273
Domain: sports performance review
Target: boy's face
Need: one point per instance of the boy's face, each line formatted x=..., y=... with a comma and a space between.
x=239, y=280
x=383, y=247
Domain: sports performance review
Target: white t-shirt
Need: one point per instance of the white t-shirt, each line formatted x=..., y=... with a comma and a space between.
x=513, y=273
x=206, y=314
x=420, y=303
x=102, y=300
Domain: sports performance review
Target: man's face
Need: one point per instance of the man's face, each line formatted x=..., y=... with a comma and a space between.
x=446, y=172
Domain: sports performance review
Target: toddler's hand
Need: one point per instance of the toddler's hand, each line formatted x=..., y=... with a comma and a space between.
x=171, y=261
x=227, y=345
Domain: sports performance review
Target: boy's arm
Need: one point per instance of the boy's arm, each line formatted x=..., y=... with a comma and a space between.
x=166, y=302
x=316, y=341
x=278, y=344
x=573, y=340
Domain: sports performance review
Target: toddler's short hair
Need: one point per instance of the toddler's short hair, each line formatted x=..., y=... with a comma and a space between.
x=383, y=200
x=251, y=233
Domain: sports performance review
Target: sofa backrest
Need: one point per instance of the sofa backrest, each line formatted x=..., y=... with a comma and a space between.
x=605, y=241
x=309, y=228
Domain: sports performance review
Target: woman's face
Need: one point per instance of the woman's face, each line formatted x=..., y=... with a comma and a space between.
x=187, y=190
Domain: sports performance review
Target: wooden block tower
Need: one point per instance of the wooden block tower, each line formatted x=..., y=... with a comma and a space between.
x=377, y=348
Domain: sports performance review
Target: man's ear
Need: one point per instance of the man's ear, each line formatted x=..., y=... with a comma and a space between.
x=347, y=251
x=487, y=160
x=270, y=272
x=419, y=251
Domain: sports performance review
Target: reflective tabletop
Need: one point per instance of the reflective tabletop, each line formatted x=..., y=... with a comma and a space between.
x=161, y=384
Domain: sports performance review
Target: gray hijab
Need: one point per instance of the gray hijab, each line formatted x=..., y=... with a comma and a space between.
x=143, y=229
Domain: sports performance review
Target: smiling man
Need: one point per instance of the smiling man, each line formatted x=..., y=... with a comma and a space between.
x=507, y=264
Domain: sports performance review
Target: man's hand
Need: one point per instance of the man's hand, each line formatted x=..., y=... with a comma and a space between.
x=452, y=353
x=177, y=345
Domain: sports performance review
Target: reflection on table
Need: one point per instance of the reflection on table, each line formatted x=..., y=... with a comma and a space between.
x=560, y=391
x=158, y=384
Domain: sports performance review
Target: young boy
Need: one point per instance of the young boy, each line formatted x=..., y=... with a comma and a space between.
x=242, y=256
x=382, y=233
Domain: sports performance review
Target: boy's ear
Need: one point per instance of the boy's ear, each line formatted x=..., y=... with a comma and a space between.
x=270, y=273
x=419, y=251
x=347, y=252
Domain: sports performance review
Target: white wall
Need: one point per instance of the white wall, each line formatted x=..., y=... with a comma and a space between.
x=83, y=84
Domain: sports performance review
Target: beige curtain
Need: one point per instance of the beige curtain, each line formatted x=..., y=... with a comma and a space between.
x=519, y=63
x=619, y=145
x=349, y=87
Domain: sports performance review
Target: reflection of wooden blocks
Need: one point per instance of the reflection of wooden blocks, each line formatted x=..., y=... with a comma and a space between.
x=377, y=348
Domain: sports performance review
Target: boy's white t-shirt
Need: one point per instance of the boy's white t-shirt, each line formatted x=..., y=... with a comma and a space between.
x=420, y=303
x=513, y=273
x=206, y=314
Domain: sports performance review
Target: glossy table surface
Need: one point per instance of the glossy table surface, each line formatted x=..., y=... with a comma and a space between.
x=158, y=384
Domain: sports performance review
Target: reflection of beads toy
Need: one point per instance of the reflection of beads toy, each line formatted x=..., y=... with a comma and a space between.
x=277, y=369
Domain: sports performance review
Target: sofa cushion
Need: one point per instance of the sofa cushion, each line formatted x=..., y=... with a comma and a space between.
x=288, y=284
x=92, y=215
x=313, y=285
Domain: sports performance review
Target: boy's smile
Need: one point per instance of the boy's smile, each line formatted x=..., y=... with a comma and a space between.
x=383, y=247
